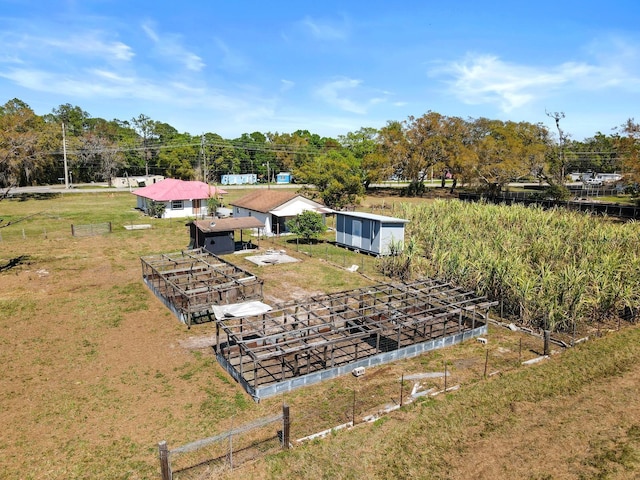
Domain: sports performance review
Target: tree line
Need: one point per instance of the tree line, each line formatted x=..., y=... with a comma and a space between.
x=479, y=152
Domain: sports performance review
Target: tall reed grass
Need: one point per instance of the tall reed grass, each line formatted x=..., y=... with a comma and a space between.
x=550, y=269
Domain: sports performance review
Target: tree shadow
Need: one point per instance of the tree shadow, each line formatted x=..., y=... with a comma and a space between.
x=14, y=262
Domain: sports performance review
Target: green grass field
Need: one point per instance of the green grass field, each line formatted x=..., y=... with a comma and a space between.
x=97, y=372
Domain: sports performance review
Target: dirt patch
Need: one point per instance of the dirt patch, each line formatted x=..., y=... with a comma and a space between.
x=198, y=343
x=290, y=293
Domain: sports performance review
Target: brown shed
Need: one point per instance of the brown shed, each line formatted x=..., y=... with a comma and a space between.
x=217, y=235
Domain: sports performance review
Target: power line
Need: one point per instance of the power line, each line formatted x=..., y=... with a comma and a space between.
x=274, y=148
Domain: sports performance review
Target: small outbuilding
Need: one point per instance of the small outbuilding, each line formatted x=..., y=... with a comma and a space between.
x=283, y=177
x=217, y=236
x=369, y=232
x=178, y=198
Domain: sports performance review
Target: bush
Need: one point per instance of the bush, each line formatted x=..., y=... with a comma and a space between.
x=307, y=225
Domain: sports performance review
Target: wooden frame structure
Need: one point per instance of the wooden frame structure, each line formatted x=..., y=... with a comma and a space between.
x=302, y=343
x=191, y=281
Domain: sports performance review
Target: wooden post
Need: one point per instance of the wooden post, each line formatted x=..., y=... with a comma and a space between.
x=445, y=376
x=520, y=352
x=547, y=338
x=286, y=425
x=231, y=446
x=353, y=410
x=486, y=363
x=401, y=392
x=165, y=466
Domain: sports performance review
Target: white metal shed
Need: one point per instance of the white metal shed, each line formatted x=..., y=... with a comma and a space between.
x=369, y=232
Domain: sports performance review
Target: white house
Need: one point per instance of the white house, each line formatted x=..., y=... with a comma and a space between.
x=275, y=207
x=180, y=198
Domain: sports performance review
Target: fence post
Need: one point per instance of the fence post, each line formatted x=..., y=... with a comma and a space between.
x=165, y=466
x=486, y=363
x=353, y=410
x=520, y=352
x=231, y=446
x=445, y=376
x=285, y=427
x=547, y=338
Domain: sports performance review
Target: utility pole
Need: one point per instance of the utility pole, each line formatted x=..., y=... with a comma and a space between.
x=268, y=176
x=203, y=159
x=64, y=156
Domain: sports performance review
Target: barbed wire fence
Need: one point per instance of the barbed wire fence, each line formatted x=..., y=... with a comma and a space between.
x=365, y=400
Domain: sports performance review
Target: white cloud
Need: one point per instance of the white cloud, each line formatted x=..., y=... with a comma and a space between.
x=286, y=85
x=170, y=48
x=333, y=94
x=486, y=79
x=112, y=76
x=619, y=60
x=148, y=29
x=230, y=59
x=85, y=44
x=324, y=30
x=101, y=83
x=350, y=95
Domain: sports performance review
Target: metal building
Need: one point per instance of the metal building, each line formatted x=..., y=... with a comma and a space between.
x=372, y=233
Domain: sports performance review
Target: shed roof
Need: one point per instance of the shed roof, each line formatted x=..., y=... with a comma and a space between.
x=228, y=224
x=173, y=189
x=264, y=200
x=373, y=216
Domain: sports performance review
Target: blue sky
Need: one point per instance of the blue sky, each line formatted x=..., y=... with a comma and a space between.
x=328, y=67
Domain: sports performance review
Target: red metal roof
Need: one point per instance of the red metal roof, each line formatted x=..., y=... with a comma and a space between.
x=172, y=189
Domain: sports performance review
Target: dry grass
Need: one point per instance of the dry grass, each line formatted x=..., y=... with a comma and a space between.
x=97, y=371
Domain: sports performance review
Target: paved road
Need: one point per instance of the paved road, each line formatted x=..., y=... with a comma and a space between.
x=103, y=187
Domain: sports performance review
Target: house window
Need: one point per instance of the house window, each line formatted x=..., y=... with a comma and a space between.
x=177, y=205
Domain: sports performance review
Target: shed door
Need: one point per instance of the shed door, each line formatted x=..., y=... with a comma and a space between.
x=356, y=234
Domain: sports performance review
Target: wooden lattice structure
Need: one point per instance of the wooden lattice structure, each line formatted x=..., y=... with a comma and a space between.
x=301, y=343
x=192, y=281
